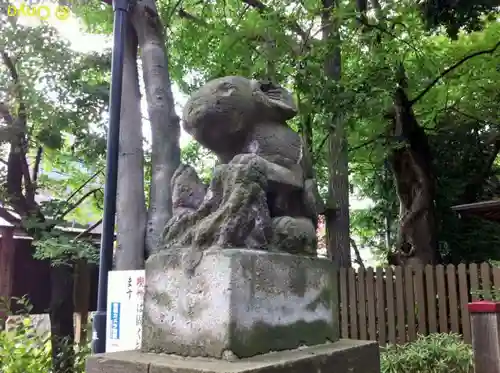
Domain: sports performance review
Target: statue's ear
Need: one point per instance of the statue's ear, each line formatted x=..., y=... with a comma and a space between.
x=276, y=98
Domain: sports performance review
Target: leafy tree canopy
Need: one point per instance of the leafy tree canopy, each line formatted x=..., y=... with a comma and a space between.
x=456, y=105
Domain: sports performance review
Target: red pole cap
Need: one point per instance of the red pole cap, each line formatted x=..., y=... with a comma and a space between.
x=484, y=306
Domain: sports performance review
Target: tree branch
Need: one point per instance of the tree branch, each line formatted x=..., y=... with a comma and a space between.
x=256, y=4
x=352, y=148
x=358, y=259
x=29, y=188
x=6, y=132
x=77, y=203
x=17, y=169
x=321, y=144
x=376, y=6
x=384, y=30
x=36, y=166
x=367, y=142
x=80, y=188
x=265, y=10
x=479, y=120
x=5, y=113
x=10, y=66
x=450, y=69
x=362, y=8
x=188, y=16
x=89, y=229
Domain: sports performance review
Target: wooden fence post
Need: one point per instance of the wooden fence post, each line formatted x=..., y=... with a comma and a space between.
x=485, y=327
x=81, y=295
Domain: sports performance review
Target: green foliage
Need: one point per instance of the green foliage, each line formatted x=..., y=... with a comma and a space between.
x=65, y=95
x=64, y=92
x=52, y=243
x=454, y=15
x=200, y=158
x=61, y=249
x=435, y=353
x=211, y=39
x=283, y=39
x=460, y=118
x=96, y=15
x=23, y=350
x=492, y=294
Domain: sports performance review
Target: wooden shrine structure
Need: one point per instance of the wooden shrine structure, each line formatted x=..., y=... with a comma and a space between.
x=23, y=275
x=488, y=210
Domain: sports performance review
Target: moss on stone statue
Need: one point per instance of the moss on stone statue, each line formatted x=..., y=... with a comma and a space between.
x=227, y=217
x=298, y=279
x=151, y=334
x=262, y=337
x=325, y=298
x=161, y=298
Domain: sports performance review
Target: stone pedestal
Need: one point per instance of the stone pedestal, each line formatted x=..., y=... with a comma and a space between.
x=238, y=310
x=238, y=302
x=344, y=356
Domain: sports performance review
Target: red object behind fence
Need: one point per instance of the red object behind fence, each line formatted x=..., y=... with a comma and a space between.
x=484, y=306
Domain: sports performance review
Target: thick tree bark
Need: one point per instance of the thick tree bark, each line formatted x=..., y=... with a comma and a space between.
x=337, y=217
x=415, y=186
x=165, y=128
x=130, y=204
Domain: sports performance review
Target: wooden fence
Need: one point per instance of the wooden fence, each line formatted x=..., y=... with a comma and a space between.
x=393, y=305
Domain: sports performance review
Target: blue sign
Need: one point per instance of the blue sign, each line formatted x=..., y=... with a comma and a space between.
x=115, y=320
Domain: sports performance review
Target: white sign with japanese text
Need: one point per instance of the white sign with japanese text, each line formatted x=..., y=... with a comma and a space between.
x=124, y=310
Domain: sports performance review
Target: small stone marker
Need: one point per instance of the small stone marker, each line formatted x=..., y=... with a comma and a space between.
x=235, y=285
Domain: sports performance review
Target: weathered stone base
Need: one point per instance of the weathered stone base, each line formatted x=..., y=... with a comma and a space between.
x=238, y=301
x=344, y=356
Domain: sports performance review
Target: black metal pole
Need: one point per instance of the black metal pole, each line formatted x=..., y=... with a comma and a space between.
x=120, y=9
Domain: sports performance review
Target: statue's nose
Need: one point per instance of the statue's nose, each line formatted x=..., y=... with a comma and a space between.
x=228, y=91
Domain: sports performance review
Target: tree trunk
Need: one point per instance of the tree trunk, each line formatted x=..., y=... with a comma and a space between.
x=165, y=129
x=306, y=132
x=131, y=204
x=61, y=318
x=337, y=216
x=21, y=189
x=415, y=186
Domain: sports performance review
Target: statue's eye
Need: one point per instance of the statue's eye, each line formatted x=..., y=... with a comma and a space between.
x=266, y=87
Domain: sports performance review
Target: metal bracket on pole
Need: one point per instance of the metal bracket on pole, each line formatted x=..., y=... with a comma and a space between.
x=123, y=5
